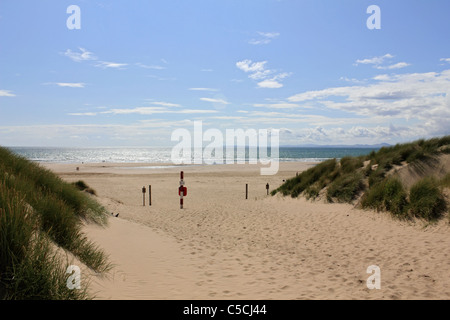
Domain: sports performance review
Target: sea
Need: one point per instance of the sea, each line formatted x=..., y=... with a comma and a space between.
x=163, y=155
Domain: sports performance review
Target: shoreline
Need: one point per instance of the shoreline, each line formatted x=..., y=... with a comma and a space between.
x=157, y=168
x=223, y=246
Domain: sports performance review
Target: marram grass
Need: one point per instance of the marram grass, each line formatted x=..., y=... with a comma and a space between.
x=38, y=210
x=367, y=178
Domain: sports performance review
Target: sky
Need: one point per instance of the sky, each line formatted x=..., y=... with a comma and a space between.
x=131, y=72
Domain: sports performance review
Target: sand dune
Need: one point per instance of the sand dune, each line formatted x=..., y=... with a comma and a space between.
x=222, y=246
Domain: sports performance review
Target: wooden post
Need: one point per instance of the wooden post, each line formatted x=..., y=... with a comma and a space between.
x=246, y=191
x=143, y=196
x=150, y=195
x=267, y=188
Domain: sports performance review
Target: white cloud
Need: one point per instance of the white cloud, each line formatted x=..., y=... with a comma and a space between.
x=445, y=60
x=260, y=41
x=227, y=118
x=192, y=111
x=249, y=66
x=399, y=65
x=258, y=75
x=70, y=84
x=221, y=101
x=155, y=110
x=138, y=110
x=375, y=60
x=423, y=97
x=382, y=77
x=165, y=104
x=83, y=55
x=280, y=105
x=378, y=62
x=270, y=35
x=161, y=78
x=271, y=84
x=6, y=93
x=352, y=80
x=154, y=67
x=258, y=72
x=115, y=65
x=264, y=38
x=203, y=89
x=83, y=114
x=160, y=107
x=281, y=76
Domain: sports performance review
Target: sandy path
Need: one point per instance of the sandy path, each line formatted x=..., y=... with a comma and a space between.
x=222, y=246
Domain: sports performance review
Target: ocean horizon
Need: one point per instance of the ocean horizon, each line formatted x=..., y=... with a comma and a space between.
x=163, y=154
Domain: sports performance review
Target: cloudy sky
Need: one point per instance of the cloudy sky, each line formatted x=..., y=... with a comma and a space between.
x=137, y=70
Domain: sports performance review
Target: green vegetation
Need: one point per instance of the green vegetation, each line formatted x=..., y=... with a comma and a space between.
x=445, y=181
x=318, y=174
x=369, y=179
x=38, y=213
x=427, y=200
x=349, y=164
x=388, y=195
x=346, y=188
x=82, y=186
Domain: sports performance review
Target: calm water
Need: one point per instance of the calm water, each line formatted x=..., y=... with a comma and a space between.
x=163, y=155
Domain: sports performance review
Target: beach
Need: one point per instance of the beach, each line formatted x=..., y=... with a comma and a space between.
x=224, y=246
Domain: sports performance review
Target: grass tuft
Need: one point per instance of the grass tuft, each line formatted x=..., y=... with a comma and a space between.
x=346, y=187
x=345, y=180
x=427, y=200
x=82, y=186
x=389, y=195
x=37, y=210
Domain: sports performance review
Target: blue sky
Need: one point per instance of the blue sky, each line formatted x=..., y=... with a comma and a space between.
x=137, y=70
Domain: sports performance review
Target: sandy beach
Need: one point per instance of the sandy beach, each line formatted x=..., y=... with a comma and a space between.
x=223, y=246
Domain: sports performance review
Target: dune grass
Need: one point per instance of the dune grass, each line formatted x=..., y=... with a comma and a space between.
x=348, y=180
x=346, y=188
x=82, y=186
x=29, y=267
x=317, y=174
x=427, y=200
x=38, y=210
x=387, y=195
x=445, y=181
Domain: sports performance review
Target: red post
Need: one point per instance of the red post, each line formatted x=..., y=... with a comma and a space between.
x=181, y=200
